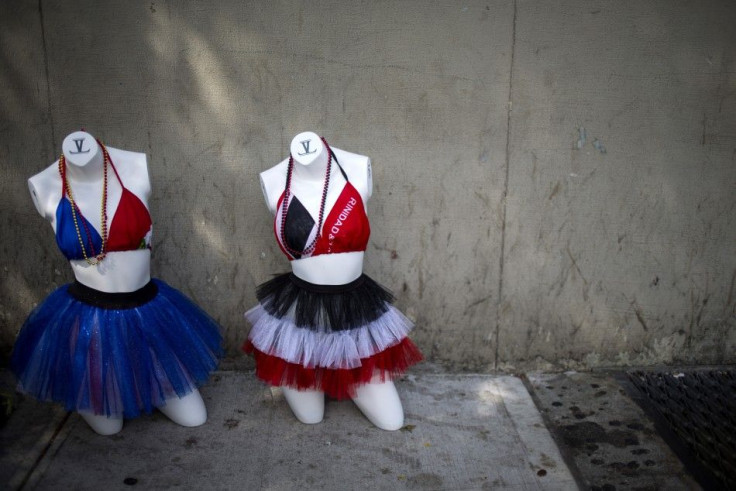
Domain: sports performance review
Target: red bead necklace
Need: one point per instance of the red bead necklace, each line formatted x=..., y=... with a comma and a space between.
x=94, y=259
x=285, y=203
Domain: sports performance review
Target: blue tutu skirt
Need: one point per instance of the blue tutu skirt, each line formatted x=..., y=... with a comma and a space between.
x=115, y=361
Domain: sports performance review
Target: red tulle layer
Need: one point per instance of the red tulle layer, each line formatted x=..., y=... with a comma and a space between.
x=339, y=384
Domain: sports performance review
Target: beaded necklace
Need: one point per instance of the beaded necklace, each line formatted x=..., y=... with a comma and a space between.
x=284, y=204
x=96, y=258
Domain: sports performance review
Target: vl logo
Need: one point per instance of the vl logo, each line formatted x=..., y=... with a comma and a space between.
x=305, y=144
x=79, y=142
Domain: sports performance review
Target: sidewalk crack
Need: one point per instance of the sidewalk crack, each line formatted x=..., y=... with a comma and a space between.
x=43, y=452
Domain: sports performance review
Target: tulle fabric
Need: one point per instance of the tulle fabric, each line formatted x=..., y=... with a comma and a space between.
x=335, y=307
x=115, y=361
x=324, y=338
x=322, y=348
x=339, y=384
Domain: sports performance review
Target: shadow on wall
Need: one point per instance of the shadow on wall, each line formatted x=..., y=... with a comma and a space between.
x=558, y=270
x=213, y=94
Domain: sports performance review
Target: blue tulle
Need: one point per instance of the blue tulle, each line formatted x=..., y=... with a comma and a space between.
x=115, y=361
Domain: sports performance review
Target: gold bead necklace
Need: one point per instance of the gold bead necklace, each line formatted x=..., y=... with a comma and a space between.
x=96, y=258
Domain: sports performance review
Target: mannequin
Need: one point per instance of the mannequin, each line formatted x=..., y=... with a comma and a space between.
x=339, y=183
x=172, y=349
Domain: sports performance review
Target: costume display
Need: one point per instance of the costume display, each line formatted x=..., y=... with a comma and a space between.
x=129, y=230
x=112, y=353
x=327, y=337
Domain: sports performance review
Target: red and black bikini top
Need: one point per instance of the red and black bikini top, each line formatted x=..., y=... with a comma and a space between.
x=345, y=229
x=129, y=229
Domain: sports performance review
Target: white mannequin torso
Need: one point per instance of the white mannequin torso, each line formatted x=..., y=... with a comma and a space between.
x=121, y=271
x=378, y=401
x=310, y=164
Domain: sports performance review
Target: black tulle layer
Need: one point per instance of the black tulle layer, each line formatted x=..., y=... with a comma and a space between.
x=336, y=307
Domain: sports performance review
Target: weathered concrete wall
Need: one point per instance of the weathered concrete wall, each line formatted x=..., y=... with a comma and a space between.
x=625, y=256
x=510, y=247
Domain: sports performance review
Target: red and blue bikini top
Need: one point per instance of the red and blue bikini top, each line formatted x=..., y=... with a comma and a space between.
x=345, y=229
x=128, y=230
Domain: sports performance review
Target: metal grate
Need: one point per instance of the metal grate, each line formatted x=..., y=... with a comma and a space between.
x=699, y=408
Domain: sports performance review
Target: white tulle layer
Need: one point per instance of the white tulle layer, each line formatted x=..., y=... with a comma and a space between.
x=336, y=349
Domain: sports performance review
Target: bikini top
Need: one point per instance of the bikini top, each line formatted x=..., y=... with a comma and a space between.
x=345, y=229
x=129, y=230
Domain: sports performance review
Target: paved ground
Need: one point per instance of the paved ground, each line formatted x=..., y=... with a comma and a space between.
x=605, y=436
x=462, y=432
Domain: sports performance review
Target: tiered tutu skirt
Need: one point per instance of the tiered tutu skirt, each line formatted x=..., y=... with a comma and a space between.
x=115, y=354
x=332, y=338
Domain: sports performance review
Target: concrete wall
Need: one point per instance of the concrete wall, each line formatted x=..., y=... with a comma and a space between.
x=511, y=247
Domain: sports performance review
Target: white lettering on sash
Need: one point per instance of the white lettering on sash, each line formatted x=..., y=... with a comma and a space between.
x=341, y=219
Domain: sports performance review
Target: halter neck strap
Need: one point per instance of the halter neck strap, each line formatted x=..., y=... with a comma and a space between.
x=342, y=171
x=106, y=156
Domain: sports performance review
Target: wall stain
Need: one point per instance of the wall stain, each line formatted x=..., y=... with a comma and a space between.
x=639, y=315
x=586, y=286
x=555, y=190
x=478, y=302
x=729, y=300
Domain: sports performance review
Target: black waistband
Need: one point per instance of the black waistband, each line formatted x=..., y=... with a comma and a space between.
x=105, y=300
x=315, y=288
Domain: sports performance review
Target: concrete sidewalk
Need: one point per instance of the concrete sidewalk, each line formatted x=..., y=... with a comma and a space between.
x=461, y=432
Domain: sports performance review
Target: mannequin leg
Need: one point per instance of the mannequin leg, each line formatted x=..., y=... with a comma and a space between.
x=380, y=403
x=307, y=405
x=102, y=424
x=186, y=411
